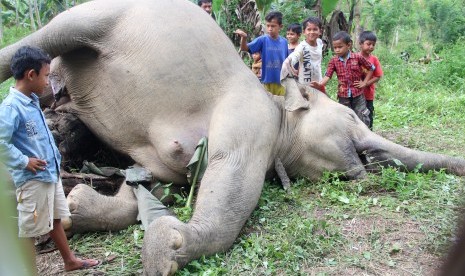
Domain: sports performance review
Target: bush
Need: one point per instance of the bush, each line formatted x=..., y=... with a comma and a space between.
x=450, y=71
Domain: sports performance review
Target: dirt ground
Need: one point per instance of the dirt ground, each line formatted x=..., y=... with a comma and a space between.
x=409, y=256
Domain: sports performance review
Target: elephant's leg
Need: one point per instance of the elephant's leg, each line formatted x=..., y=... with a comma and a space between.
x=91, y=211
x=239, y=155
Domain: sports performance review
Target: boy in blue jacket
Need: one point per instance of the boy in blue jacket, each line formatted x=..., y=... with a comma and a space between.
x=28, y=150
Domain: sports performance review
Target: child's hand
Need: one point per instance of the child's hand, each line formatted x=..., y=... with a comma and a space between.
x=360, y=84
x=317, y=85
x=241, y=33
x=35, y=164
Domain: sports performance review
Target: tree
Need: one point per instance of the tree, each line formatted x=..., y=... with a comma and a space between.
x=1, y=24
x=36, y=10
x=31, y=15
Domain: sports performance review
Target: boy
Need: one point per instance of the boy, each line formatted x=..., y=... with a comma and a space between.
x=257, y=64
x=308, y=55
x=273, y=49
x=293, y=34
x=28, y=149
x=206, y=5
x=349, y=69
x=367, y=42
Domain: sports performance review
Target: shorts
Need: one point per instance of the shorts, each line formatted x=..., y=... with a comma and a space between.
x=275, y=89
x=39, y=203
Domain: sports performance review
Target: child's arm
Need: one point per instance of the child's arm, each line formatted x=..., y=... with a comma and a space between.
x=243, y=36
x=329, y=73
x=373, y=80
x=288, y=68
x=12, y=156
x=364, y=83
x=320, y=85
x=365, y=63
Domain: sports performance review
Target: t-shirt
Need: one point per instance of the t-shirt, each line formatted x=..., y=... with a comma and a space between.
x=309, y=59
x=348, y=72
x=273, y=52
x=370, y=90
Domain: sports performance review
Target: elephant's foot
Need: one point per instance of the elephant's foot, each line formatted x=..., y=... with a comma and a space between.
x=91, y=211
x=168, y=246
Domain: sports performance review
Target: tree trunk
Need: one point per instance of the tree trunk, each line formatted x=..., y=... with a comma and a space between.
x=337, y=23
x=356, y=30
x=1, y=25
x=36, y=10
x=31, y=15
x=17, y=13
x=396, y=38
x=317, y=9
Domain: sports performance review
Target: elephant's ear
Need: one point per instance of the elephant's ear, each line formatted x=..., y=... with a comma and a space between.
x=294, y=97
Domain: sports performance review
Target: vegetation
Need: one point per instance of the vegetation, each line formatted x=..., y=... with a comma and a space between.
x=392, y=223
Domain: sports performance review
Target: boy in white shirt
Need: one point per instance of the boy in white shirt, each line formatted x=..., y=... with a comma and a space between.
x=308, y=54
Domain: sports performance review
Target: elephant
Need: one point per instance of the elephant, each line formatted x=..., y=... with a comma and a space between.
x=150, y=78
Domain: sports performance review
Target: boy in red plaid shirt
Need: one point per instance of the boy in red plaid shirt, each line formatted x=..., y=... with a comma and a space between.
x=349, y=70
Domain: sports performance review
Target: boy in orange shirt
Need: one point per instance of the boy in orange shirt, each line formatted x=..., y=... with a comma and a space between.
x=367, y=42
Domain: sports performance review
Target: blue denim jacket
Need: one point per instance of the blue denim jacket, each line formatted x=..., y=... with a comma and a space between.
x=23, y=134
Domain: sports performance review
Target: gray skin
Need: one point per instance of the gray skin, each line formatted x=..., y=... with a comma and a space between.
x=150, y=78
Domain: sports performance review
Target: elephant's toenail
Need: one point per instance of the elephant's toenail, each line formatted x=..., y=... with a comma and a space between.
x=177, y=240
x=174, y=268
x=67, y=223
x=72, y=206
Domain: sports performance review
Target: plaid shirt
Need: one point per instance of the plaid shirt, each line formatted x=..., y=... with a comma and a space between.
x=348, y=72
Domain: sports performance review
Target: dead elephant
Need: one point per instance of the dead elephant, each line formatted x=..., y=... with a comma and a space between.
x=149, y=82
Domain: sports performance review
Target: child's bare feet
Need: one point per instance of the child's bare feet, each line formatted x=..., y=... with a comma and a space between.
x=81, y=264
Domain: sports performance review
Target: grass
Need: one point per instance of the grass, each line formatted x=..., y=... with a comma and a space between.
x=394, y=223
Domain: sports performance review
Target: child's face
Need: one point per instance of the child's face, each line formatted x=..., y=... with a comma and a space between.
x=38, y=82
x=367, y=47
x=311, y=32
x=256, y=56
x=273, y=28
x=207, y=7
x=292, y=37
x=341, y=48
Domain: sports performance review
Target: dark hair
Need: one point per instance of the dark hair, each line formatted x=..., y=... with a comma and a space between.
x=367, y=35
x=200, y=2
x=27, y=58
x=274, y=15
x=312, y=20
x=294, y=27
x=344, y=36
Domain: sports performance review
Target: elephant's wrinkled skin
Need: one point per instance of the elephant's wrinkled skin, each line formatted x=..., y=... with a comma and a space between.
x=151, y=78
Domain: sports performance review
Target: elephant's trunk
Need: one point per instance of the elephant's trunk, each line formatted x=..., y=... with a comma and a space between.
x=386, y=153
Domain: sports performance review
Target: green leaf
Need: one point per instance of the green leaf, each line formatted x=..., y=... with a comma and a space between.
x=367, y=255
x=343, y=199
x=328, y=7
x=216, y=5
